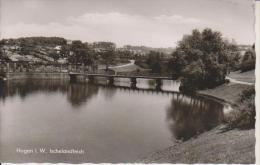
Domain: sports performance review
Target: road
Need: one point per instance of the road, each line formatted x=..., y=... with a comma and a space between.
x=246, y=78
x=238, y=82
x=132, y=62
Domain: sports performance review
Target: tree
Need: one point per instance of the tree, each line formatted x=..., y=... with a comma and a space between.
x=194, y=73
x=177, y=63
x=108, y=56
x=65, y=51
x=55, y=56
x=26, y=47
x=78, y=52
x=153, y=61
x=248, y=61
x=209, y=51
x=81, y=54
x=234, y=59
x=1, y=48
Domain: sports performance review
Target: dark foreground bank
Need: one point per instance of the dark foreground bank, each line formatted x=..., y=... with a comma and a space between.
x=214, y=146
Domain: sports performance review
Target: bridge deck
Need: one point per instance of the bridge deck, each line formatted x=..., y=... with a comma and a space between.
x=124, y=76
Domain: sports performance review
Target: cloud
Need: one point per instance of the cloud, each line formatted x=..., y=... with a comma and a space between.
x=177, y=19
x=236, y=2
x=159, y=31
x=105, y=18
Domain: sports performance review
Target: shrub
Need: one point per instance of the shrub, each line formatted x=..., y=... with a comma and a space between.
x=244, y=116
x=247, y=94
x=248, y=61
x=247, y=65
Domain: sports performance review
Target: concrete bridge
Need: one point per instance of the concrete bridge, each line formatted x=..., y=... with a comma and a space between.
x=111, y=78
x=18, y=71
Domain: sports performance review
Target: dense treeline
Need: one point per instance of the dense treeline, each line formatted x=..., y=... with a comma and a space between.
x=43, y=41
x=156, y=61
x=28, y=44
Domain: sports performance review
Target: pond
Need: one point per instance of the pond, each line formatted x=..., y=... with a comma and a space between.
x=106, y=124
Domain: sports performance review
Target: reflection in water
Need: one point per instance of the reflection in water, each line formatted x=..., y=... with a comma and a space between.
x=188, y=116
x=111, y=123
x=25, y=87
x=80, y=93
x=167, y=85
x=77, y=93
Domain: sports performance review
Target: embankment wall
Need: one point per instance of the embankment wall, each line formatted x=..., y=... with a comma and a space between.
x=47, y=75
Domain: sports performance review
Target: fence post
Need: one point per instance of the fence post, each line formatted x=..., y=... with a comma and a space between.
x=82, y=68
x=69, y=67
x=14, y=67
x=7, y=67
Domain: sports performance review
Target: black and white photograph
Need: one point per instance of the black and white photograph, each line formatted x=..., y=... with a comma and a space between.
x=127, y=81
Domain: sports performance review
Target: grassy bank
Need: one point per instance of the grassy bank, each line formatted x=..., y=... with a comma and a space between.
x=234, y=146
x=228, y=92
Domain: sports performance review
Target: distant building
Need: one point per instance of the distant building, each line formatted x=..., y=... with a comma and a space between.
x=11, y=47
x=69, y=42
x=102, y=46
x=57, y=49
x=62, y=60
x=243, y=48
x=144, y=50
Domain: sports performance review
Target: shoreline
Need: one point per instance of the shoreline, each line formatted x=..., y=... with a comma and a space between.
x=228, y=92
x=213, y=146
x=36, y=75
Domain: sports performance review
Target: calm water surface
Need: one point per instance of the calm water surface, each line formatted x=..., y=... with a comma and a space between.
x=111, y=124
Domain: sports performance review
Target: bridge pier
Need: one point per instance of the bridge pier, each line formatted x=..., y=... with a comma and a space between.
x=133, y=86
x=159, y=83
x=76, y=78
x=7, y=67
x=73, y=78
x=111, y=81
x=2, y=78
x=91, y=79
x=133, y=82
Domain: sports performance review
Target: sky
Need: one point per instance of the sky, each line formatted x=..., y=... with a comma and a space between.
x=155, y=23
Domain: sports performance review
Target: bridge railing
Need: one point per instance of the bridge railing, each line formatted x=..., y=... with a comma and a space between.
x=134, y=74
